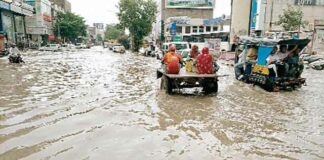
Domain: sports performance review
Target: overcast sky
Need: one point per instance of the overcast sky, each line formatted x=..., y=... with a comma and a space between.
x=104, y=11
x=96, y=11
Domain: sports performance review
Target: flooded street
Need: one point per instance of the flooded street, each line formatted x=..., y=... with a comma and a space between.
x=95, y=104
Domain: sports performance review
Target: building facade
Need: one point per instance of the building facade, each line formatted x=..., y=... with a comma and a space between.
x=64, y=4
x=12, y=18
x=39, y=26
x=168, y=9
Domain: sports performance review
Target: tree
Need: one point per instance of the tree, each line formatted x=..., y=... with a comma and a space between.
x=99, y=38
x=292, y=19
x=124, y=40
x=113, y=32
x=70, y=26
x=137, y=16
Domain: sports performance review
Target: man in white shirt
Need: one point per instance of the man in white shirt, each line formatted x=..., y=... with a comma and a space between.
x=272, y=59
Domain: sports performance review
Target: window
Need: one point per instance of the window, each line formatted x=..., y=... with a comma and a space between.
x=179, y=29
x=215, y=28
x=201, y=29
x=188, y=29
x=221, y=27
x=194, y=29
x=208, y=29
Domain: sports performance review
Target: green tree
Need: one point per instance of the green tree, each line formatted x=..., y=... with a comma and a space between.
x=292, y=19
x=113, y=32
x=124, y=40
x=137, y=16
x=69, y=26
x=99, y=38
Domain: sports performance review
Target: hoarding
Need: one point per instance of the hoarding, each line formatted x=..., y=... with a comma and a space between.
x=203, y=4
x=254, y=12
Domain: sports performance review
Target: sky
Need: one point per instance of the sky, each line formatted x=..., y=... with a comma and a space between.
x=104, y=11
x=96, y=11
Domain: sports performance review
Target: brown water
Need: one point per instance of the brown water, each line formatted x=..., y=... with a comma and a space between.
x=95, y=104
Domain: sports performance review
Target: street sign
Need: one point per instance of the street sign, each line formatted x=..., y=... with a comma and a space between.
x=177, y=38
x=173, y=28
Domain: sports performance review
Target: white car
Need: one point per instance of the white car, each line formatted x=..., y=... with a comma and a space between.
x=68, y=47
x=119, y=49
x=180, y=47
x=80, y=46
x=51, y=47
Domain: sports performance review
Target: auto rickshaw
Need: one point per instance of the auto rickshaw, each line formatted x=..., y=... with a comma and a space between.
x=286, y=76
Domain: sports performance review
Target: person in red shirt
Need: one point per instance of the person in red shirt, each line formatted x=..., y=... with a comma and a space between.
x=194, y=52
x=172, y=61
x=205, y=62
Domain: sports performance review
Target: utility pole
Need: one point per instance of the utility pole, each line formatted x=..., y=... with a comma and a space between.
x=271, y=15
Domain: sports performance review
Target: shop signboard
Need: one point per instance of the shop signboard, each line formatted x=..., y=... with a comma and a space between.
x=214, y=20
x=4, y=5
x=180, y=20
x=202, y=4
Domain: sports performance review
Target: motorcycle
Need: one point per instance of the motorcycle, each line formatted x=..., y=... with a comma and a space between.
x=16, y=59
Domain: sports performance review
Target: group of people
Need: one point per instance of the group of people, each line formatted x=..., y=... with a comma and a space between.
x=286, y=61
x=282, y=62
x=204, y=61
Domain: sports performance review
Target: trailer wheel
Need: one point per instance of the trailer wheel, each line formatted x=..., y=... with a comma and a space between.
x=210, y=86
x=168, y=85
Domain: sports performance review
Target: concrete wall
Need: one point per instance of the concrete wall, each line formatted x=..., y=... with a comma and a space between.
x=311, y=13
x=240, y=18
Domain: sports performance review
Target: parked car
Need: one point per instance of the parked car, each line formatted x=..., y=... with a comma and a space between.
x=119, y=49
x=51, y=47
x=68, y=47
x=80, y=46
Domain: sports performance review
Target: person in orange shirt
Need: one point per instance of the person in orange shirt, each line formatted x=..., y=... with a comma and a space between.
x=172, y=61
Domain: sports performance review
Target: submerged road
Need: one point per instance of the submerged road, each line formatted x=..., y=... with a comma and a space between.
x=95, y=104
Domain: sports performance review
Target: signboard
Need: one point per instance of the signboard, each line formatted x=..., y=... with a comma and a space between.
x=177, y=38
x=214, y=20
x=180, y=20
x=4, y=5
x=173, y=28
x=254, y=13
x=203, y=4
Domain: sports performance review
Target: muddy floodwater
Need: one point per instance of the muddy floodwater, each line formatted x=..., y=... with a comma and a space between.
x=95, y=104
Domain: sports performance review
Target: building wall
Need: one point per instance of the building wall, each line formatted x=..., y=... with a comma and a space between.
x=240, y=18
x=66, y=5
x=311, y=12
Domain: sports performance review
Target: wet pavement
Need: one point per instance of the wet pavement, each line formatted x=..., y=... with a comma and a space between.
x=95, y=104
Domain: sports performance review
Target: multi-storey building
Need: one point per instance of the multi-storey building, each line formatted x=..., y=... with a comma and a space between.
x=39, y=26
x=64, y=4
x=12, y=15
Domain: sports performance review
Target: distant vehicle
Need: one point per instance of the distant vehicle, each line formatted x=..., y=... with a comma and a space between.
x=111, y=45
x=80, y=46
x=180, y=46
x=287, y=76
x=51, y=47
x=89, y=45
x=119, y=49
x=68, y=47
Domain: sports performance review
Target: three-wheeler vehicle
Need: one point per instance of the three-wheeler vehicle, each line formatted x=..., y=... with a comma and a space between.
x=287, y=75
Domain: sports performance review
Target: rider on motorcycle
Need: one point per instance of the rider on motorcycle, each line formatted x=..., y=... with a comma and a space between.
x=14, y=55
